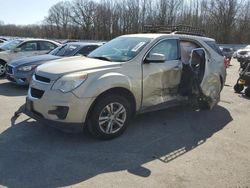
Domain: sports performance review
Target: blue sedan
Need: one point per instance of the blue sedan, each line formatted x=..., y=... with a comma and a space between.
x=20, y=71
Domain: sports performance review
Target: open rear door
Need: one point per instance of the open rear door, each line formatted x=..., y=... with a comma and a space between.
x=207, y=84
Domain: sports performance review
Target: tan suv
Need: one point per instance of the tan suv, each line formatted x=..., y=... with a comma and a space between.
x=129, y=75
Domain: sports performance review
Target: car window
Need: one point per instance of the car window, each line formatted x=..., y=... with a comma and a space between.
x=11, y=45
x=29, y=46
x=67, y=50
x=186, y=49
x=226, y=50
x=214, y=46
x=169, y=48
x=47, y=46
x=87, y=49
x=120, y=49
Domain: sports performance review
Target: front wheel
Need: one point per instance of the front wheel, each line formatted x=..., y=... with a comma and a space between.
x=2, y=68
x=109, y=117
x=247, y=92
x=238, y=88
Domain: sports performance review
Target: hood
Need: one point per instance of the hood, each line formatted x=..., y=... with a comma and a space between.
x=4, y=51
x=64, y=66
x=33, y=60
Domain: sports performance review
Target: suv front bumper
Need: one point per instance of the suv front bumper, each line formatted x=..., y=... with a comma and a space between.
x=28, y=110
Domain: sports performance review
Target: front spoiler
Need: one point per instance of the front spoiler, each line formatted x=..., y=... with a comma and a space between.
x=66, y=127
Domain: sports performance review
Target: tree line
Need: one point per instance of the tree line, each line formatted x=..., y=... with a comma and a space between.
x=225, y=20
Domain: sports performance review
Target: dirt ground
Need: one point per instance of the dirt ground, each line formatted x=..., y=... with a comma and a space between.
x=177, y=147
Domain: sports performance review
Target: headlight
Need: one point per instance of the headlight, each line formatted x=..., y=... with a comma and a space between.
x=70, y=81
x=27, y=68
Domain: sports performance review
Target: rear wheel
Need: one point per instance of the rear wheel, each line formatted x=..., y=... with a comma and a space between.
x=2, y=68
x=109, y=117
x=238, y=88
x=247, y=91
x=204, y=105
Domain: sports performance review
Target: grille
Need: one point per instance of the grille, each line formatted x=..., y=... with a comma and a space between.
x=9, y=69
x=36, y=93
x=42, y=79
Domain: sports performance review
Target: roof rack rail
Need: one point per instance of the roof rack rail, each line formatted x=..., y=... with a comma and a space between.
x=178, y=29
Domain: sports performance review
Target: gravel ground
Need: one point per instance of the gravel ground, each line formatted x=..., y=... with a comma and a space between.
x=177, y=147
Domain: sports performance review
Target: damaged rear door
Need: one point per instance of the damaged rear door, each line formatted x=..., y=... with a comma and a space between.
x=207, y=83
x=161, y=73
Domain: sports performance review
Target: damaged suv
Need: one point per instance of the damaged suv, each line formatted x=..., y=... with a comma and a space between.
x=129, y=75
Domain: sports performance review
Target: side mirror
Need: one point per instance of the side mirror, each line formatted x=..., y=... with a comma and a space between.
x=156, y=58
x=197, y=56
x=17, y=50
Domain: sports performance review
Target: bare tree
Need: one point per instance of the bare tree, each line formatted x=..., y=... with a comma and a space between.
x=83, y=12
x=225, y=20
x=59, y=16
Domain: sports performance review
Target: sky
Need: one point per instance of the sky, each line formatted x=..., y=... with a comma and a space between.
x=23, y=12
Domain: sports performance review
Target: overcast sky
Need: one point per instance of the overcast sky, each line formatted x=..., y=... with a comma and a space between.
x=22, y=12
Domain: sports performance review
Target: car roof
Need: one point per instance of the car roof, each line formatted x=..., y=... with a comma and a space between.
x=34, y=39
x=84, y=43
x=156, y=35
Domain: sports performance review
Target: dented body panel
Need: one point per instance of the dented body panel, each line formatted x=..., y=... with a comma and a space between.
x=149, y=83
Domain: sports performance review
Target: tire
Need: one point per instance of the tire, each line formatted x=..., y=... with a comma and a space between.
x=2, y=68
x=112, y=124
x=247, y=92
x=203, y=105
x=238, y=88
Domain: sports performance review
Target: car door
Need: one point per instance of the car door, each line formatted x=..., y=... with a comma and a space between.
x=161, y=79
x=207, y=77
x=26, y=49
x=45, y=47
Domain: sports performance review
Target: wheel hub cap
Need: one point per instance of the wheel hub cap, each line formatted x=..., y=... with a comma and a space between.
x=112, y=118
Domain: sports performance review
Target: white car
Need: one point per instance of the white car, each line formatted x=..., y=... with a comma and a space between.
x=19, y=48
x=2, y=40
x=242, y=52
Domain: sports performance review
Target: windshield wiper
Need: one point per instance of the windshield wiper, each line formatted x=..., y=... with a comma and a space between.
x=102, y=58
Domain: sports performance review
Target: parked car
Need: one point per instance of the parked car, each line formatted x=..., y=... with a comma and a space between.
x=242, y=52
x=2, y=40
x=19, y=48
x=20, y=71
x=129, y=75
x=227, y=52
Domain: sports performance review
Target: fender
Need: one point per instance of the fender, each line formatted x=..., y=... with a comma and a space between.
x=5, y=56
x=93, y=87
x=211, y=83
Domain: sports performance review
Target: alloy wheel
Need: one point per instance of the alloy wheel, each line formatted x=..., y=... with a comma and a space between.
x=112, y=118
x=2, y=69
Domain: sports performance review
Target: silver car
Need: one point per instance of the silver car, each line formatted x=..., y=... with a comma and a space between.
x=19, y=48
x=129, y=75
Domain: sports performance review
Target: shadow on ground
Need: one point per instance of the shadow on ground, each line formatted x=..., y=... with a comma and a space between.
x=33, y=155
x=11, y=90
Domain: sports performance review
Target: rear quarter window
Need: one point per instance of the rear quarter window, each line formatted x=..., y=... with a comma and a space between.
x=214, y=46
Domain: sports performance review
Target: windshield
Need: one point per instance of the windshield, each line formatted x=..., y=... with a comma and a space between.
x=65, y=50
x=11, y=45
x=120, y=49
